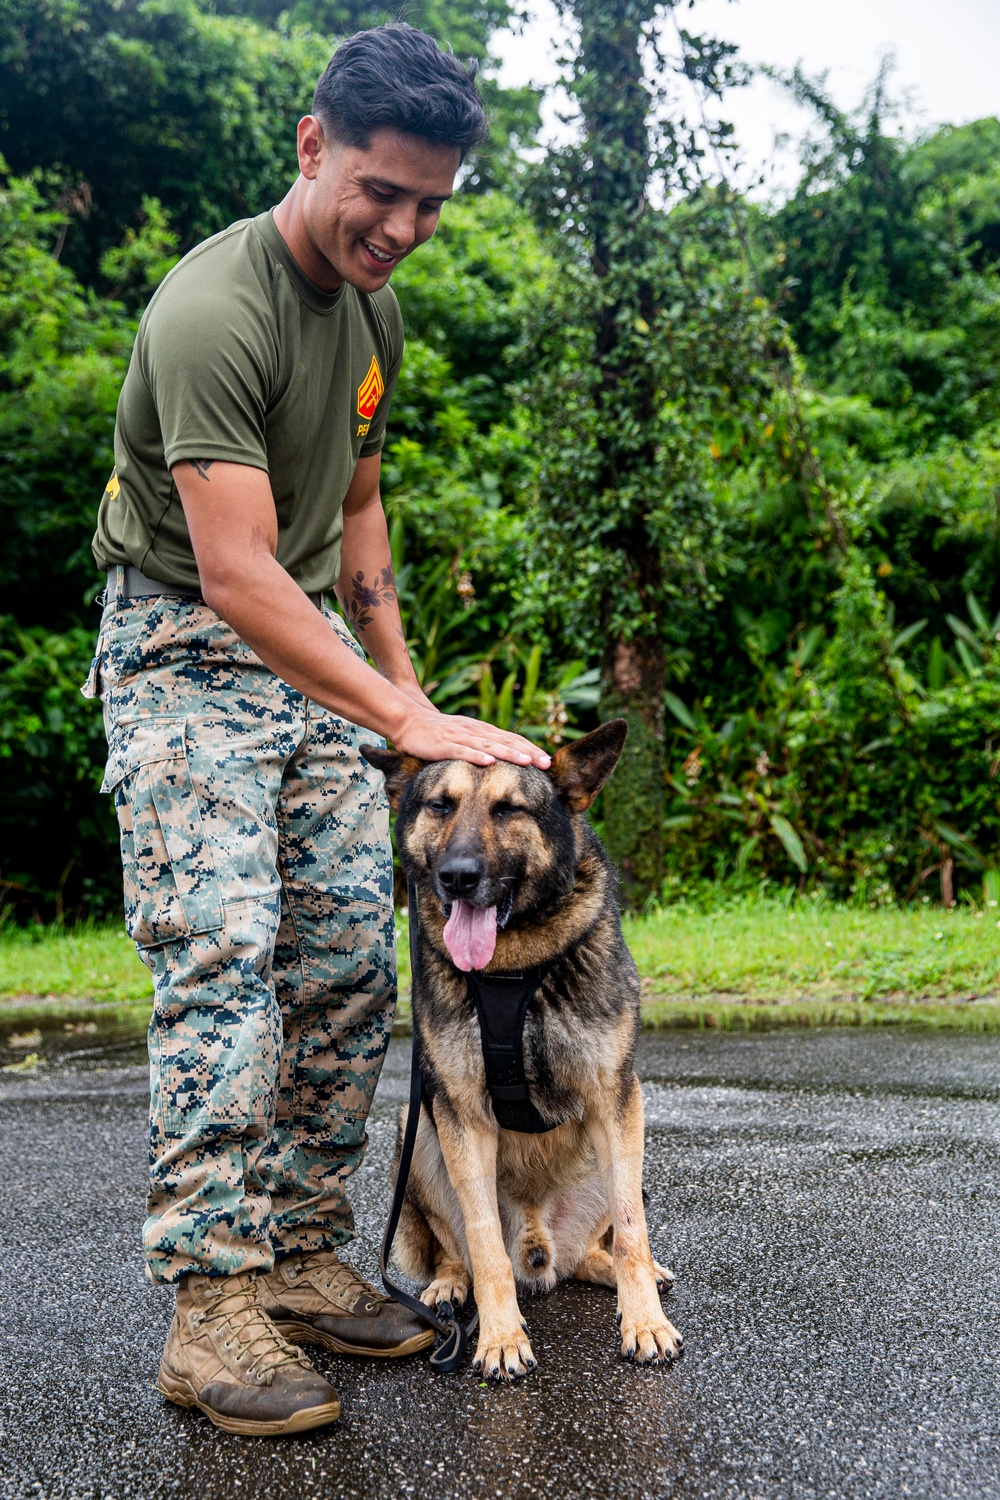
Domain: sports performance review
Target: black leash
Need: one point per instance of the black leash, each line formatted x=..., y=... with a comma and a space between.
x=448, y=1355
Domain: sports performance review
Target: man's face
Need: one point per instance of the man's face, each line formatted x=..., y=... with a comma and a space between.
x=363, y=211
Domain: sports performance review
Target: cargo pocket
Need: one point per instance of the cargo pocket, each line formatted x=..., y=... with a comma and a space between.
x=218, y=1065
x=171, y=887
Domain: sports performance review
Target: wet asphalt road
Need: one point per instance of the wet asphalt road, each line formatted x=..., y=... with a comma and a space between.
x=829, y=1201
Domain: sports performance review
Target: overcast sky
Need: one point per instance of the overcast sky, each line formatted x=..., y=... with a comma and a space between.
x=947, y=56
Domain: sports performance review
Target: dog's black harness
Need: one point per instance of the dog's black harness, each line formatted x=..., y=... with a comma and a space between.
x=501, y=1002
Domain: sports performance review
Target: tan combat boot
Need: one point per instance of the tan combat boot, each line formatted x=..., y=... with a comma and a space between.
x=225, y=1356
x=317, y=1299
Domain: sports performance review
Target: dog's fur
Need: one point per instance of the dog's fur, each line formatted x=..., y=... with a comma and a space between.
x=493, y=1208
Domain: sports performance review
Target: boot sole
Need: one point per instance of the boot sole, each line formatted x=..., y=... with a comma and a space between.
x=304, y=1333
x=180, y=1391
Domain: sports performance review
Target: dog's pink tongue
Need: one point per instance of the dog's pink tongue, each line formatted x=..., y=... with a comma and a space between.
x=470, y=935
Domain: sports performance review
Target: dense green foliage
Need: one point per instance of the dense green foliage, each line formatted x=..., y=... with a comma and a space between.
x=152, y=97
x=59, y=836
x=192, y=104
x=63, y=353
x=749, y=455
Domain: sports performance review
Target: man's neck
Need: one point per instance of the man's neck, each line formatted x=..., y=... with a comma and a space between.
x=289, y=220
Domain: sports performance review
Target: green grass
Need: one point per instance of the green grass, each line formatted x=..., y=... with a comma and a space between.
x=752, y=963
x=763, y=951
x=97, y=963
x=749, y=1015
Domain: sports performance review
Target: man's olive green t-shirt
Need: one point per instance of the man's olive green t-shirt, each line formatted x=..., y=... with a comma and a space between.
x=239, y=357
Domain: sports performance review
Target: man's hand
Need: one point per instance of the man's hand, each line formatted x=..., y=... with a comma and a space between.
x=432, y=735
x=234, y=531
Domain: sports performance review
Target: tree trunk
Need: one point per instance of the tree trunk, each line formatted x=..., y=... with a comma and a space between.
x=615, y=105
x=634, y=797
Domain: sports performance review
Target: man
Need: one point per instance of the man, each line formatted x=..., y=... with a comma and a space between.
x=254, y=837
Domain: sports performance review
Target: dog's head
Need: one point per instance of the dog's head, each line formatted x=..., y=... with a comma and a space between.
x=495, y=844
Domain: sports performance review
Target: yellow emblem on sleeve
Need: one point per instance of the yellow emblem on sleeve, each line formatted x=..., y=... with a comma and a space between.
x=370, y=390
x=113, y=486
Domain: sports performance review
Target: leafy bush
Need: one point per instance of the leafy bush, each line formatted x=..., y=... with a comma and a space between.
x=848, y=772
x=132, y=97
x=59, y=836
x=63, y=355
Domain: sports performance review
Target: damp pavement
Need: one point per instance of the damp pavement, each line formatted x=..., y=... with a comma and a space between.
x=830, y=1202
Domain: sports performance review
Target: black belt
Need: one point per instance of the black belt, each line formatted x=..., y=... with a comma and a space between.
x=138, y=585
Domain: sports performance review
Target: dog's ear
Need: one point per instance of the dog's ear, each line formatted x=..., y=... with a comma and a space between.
x=581, y=768
x=398, y=769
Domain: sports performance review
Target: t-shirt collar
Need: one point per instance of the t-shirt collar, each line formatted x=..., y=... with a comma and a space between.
x=312, y=295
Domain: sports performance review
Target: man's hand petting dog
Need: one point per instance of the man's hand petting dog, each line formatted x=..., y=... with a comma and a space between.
x=430, y=735
x=514, y=891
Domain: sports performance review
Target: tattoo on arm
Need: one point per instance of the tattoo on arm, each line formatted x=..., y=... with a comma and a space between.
x=202, y=465
x=366, y=597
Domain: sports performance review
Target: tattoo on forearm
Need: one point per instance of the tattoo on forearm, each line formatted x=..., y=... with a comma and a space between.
x=202, y=465
x=366, y=597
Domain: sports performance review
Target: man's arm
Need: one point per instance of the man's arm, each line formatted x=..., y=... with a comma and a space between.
x=234, y=531
x=367, y=586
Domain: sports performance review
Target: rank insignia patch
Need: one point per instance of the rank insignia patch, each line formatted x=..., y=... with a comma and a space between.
x=370, y=390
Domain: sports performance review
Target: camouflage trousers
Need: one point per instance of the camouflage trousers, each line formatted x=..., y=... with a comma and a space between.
x=258, y=891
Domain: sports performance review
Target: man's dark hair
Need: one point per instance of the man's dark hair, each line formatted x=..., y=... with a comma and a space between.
x=398, y=76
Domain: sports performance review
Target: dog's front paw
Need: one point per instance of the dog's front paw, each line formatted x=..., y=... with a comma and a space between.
x=504, y=1354
x=651, y=1342
x=449, y=1290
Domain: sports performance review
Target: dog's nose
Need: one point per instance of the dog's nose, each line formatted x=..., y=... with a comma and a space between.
x=459, y=875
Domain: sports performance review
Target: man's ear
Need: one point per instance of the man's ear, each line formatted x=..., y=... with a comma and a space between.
x=581, y=768
x=399, y=770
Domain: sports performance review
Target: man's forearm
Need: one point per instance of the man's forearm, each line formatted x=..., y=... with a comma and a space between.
x=367, y=590
x=234, y=532
x=270, y=612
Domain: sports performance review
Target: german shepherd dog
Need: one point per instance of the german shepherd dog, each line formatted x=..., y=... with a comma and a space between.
x=509, y=876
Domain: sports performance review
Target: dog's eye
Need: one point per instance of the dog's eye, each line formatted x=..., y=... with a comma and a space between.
x=440, y=805
x=505, y=809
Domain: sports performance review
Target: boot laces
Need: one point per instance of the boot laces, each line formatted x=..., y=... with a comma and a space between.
x=248, y=1325
x=333, y=1275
